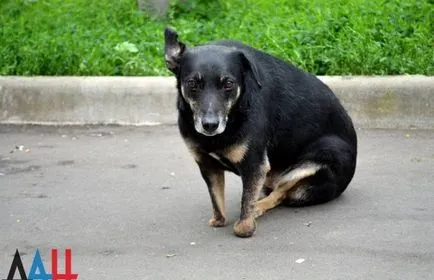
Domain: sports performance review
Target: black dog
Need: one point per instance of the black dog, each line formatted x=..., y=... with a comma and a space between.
x=274, y=125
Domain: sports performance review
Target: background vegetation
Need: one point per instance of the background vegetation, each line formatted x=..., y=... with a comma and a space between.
x=326, y=37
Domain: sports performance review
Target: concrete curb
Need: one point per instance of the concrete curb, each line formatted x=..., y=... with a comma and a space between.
x=373, y=102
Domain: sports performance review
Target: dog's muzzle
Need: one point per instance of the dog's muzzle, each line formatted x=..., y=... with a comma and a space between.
x=210, y=125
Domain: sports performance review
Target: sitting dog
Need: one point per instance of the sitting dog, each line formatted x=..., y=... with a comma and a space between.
x=279, y=128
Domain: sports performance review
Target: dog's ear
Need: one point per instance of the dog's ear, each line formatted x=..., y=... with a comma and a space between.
x=250, y=66
x=173, y=49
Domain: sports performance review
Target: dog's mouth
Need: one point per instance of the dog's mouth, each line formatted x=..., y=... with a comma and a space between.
x=210, y=126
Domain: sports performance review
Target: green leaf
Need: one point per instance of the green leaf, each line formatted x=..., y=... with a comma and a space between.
x=126, y=47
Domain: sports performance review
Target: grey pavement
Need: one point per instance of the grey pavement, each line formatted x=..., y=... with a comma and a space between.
x=130, y=203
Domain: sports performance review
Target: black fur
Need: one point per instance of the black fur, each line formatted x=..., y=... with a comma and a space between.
x=283, y=111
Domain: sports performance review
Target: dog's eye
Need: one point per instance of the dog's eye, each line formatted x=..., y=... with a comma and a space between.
x=228, y=85
x=192, y=85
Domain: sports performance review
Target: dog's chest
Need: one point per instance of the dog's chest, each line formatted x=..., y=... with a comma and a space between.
x=232, y=154
x=221, y=159
x=229, y=157
x=227, y=164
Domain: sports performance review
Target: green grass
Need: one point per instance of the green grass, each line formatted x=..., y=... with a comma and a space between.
x=325, y=37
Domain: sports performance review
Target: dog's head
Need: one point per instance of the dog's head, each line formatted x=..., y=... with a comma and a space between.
x=211, y=79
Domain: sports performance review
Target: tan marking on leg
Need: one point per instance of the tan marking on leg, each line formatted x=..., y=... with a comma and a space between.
x=218, y=192
x=217, y=222
x=301, y=172
x=236, y=153
x=267, y=203
x=266, y=167
x=263, y=173
x=286, y=183
x=192, y=148
x=297, y=193
x=271, y=180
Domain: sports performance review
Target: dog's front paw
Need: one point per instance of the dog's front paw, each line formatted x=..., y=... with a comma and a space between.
x=214, y=222
x=245, y=228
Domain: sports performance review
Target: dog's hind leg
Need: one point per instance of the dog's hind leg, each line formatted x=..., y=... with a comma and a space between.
x=270, y=184
x=294, y=178
x=339, y=162
x=327, y=167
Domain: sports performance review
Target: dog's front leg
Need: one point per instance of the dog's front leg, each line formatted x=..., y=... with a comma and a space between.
x=215, y=180
x=253, y=178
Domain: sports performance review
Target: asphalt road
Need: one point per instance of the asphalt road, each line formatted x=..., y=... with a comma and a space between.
x=131, y=204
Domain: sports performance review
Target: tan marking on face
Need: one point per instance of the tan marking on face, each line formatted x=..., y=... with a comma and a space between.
x=183, y=91
x=192, y=148
x=191, y=102
x=236, y=153
x=193, y=105
x=229, y=106
x=238, y=93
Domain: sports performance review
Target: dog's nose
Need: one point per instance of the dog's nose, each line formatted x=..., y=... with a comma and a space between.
x=210, y=124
